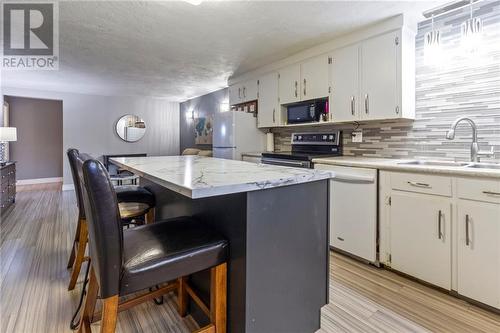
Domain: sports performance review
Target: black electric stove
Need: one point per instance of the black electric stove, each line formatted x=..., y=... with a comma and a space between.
x=305, y=148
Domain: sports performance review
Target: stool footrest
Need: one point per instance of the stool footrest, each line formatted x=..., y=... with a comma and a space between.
x=140, y=299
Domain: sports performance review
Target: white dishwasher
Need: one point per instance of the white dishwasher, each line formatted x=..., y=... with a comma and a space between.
x=353, y=210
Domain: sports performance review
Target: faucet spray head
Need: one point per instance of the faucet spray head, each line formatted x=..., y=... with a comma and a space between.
x=450, y=135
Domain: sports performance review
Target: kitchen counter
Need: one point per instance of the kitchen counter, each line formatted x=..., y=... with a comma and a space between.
x=264, y=211
x=395, y=165
x=199, y=177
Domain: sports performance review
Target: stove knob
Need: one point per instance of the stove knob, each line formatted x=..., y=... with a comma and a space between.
x=330, y=137
x=300, y=137
x=325, y=137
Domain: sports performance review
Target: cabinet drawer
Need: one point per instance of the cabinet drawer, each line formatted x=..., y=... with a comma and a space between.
x=486, y=190
x=420, y=183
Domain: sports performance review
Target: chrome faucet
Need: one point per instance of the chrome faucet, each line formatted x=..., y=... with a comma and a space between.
x=474, y=149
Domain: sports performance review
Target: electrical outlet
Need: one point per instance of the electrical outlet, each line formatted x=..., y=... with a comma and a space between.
x=357, y=136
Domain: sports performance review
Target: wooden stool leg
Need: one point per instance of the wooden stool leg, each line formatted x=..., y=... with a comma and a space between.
x=72, y=256
x=90, y=300
x=150, y=216
x=80, y=254
x=182, y=296
x=109, y=314
x=218, y=297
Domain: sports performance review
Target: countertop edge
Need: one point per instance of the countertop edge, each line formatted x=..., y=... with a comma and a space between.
x=227, y=189
x=179, y=189
x=392, y=165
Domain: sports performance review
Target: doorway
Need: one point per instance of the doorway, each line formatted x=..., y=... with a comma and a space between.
x=38, y=151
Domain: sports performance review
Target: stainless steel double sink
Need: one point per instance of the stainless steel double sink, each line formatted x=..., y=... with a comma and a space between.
x=494, y=166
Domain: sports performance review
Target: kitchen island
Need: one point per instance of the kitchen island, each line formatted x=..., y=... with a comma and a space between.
x=276, y=221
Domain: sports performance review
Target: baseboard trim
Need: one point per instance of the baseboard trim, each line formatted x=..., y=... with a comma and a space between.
x=68, y=187
x=39, y=181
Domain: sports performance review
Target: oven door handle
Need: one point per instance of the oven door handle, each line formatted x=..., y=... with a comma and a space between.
x=349, y=178
x=285, y=162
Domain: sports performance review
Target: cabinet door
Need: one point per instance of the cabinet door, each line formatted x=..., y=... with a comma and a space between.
x=249, y=90
x=479, y=251
x=235, y=94
x=289, y=84
x=268, y=107
x=379, y=77
x=314, y=78
x=344, y=80
x=421, y=237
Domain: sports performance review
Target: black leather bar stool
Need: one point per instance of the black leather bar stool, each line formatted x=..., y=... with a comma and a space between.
x=159, y=254
x=135, y=202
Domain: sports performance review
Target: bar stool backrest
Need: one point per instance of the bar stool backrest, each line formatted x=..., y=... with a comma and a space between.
x=105, y=228
x=72, y=157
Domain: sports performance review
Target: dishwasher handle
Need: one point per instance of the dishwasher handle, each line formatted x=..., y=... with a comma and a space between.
x=350, y=178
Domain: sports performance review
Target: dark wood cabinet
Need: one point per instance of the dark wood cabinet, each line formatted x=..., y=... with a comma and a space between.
x=7, y=186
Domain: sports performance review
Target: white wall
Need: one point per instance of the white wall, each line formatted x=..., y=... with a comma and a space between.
x=89, y=123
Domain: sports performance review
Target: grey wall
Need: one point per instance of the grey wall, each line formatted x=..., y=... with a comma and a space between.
x=203, y=106
x=89, y=120
x=461, y=86
x=39, y=146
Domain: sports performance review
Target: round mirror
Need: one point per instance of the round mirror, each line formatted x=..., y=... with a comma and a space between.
x=130, y=128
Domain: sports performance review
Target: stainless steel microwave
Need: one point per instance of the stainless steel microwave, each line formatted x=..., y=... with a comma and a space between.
x=306, y=112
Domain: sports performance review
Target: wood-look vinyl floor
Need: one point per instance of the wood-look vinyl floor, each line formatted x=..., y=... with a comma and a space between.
x=36, y=236
x=364, y=298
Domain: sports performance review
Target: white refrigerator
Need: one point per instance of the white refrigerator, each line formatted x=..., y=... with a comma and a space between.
x=236, y=132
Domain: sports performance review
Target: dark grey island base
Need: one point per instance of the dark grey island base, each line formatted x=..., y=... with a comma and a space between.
x=278, y=267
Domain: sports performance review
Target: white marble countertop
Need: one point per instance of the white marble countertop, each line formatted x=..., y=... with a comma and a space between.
x=199, y=177
x=395, y=165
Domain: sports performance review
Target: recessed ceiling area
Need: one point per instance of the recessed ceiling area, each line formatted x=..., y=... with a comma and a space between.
x=176, y=50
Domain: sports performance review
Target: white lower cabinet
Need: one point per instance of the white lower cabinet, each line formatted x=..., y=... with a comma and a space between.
x=479, y=251
x=421, y=237
x=441, y=229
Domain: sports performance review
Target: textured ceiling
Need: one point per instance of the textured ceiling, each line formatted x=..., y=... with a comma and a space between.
x=176, y=50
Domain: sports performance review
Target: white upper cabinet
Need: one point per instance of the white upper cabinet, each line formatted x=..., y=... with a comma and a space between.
x=344, y=97
x=268, y=114
x=234, y=94
x=289, y=84
x=365, y=78
x=379, y=79
x=249, y=90
x=375, y=78
x=314, y=78
x=243, y=92
x=304, y=81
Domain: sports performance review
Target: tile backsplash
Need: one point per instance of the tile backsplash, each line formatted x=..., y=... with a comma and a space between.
x=460, y=86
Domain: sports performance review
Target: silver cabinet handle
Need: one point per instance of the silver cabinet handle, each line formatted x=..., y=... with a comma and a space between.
x=367, y=104
x=467, y=240
x=244, y=92
x=296, y=88
x=440, y=233
x=397, y=109
x=304, y=87
x=419, y=184
x=491, y=193
x=274, y=113
x=353, y=107
x=239, y=92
